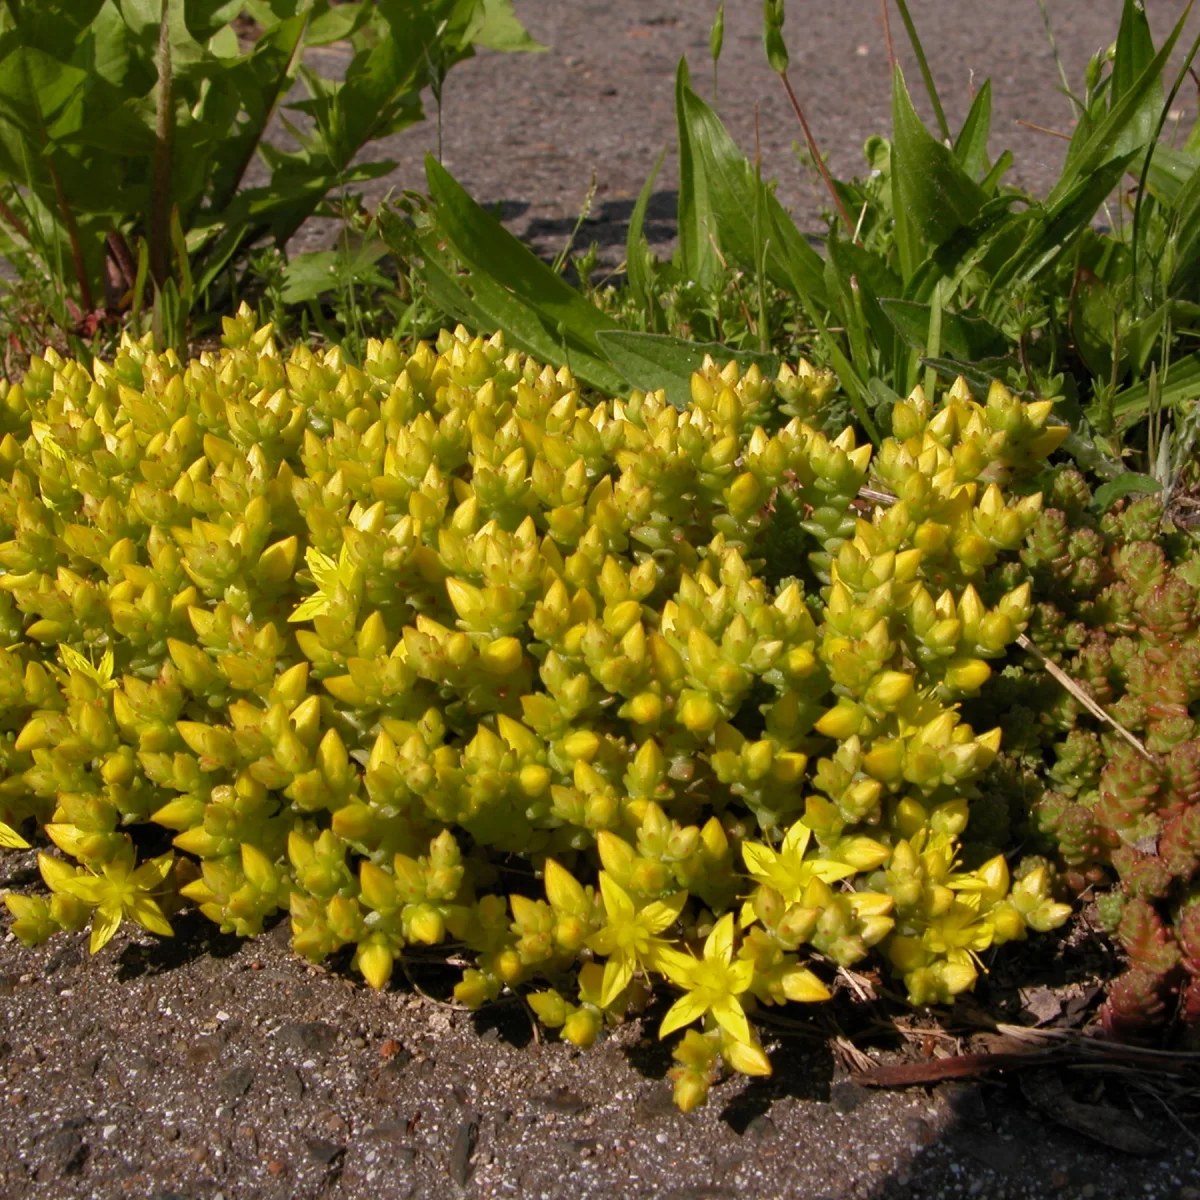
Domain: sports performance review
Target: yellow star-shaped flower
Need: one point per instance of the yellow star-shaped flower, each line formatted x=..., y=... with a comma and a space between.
x=628, y=937
x=713, y=984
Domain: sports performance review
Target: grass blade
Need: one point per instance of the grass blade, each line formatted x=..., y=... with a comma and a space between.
x=637, y=252
x=926, y=73
x=1100, y=146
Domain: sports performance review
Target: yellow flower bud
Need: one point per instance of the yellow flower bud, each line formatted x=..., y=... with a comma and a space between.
x=691, y=1089
x=841, y=722
x=698, y=713
x=375, y=960
x=967, y=674
x=581, y=1027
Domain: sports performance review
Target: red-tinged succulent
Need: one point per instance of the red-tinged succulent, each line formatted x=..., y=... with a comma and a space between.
x=1120, y=816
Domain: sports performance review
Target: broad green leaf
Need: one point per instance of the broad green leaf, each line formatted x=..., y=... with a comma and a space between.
x=971, y=145
x=734, y=189
x=40, y=94
x=1133, y=54
x=308, y=276
x=980, y=375
x=651, y=361
x=936, y=192
x=963, y=337
x=1128, y=484
x=488, y=248
x=112, y=50
x=697, y=254
x=335, y=24
x=484, y=305
x=502, y=30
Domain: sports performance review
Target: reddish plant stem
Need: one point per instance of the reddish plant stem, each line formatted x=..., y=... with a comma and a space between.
x=118, y=247
x=85, y=289
x=816, y=154
x=13, y=220
x=887, y=36
x=160, y=188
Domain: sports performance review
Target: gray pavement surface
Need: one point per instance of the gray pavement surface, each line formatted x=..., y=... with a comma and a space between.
x=528, y=132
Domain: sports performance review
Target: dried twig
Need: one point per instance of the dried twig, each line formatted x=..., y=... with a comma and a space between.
x=818, y=161
x=1066, y=137
x=887, y=36
x=1057, y=673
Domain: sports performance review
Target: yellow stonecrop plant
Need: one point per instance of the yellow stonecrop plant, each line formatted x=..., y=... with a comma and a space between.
x=354, y=642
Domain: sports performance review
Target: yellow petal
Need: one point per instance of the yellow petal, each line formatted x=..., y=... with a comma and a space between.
x=719, y=943
x=10, y=839
x=659, y=914
x=154, y=871
x=618, y=972
x=617, y=903
x=591, y=981
x=105, y=921
x=324, y=569
x=90, y=888
x=149, y=916
x=760, y=860
x=732, y=1018
x=830, y=871
x=688, y=1008
x=797, y=839
x=741, y=975
x=58, y=875
x=66, y=837
x=678, y=967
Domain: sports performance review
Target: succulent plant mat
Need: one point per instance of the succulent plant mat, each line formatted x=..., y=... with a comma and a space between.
x=533, y=737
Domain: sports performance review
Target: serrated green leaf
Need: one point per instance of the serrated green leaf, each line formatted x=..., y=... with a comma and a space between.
x=1128, y=484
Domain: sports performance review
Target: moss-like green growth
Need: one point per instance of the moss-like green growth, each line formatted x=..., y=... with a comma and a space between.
x=363, y=639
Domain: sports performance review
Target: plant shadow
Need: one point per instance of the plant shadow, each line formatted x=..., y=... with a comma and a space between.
x=195, y=937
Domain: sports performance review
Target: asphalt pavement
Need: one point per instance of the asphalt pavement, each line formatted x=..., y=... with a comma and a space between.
x=530, y=132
